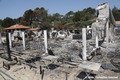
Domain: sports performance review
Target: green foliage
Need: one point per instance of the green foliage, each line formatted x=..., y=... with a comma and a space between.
x=116, y=13
x=1, y=28
x=85, y=23
x=56, y=17
x=27, y=17
x=40, y=14
x=7, y=22
x=45, y=25
x=69, y=16
x=39, y=17
x=35, y=17
x=1, y=22
x=80, y=16
x=49, y=18
x=18, y=20
x=90, y=10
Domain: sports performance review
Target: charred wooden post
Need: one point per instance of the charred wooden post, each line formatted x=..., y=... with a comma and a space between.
x=0, y=38
x=8, y=47
x=66, y=75
x=42, y=75
x=6, y=65
x=40, y=70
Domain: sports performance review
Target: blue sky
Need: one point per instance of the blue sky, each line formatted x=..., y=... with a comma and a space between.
x=16, y=8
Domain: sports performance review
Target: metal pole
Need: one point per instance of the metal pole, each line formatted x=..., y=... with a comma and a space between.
x=84, y=43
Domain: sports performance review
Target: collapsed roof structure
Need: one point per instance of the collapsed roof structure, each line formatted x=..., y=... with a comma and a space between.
x=105, y=23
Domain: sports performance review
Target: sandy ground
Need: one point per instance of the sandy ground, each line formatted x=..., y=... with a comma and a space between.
x=64, y=71
x=61, y=73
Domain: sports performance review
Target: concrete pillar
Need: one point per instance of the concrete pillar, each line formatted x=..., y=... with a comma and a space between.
x=97, y=42
x=10, y=40
x=84, y=43
x=13, y=37
x=93, y=33
x=0, y=38
x=45, y=41
x=23, y=38
x=111, y=33
x=107, y=33
x=50, y=34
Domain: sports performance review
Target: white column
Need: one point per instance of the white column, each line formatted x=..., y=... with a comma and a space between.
x=13, y=37
x=107, y=33
x=84, y=43
x=50, y=34
x=10, y=40
x=23, y=35
x=97, y=42
x=45, y=41
x=0, y=38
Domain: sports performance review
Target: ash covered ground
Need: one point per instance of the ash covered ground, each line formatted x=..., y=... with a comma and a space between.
x=64, y=68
